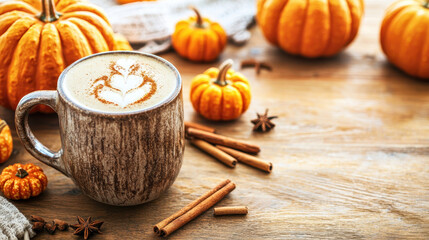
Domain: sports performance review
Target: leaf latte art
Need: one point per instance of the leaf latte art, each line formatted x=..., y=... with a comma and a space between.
x=126, y=85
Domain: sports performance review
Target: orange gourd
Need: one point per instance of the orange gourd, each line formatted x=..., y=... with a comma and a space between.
x=310, y=28
x=19, y=181
x=220, y=94
x=403, y=36
x=198, y=39
x=6, y=142
x=37, y=42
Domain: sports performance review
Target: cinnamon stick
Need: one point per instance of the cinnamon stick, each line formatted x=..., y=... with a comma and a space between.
x=224, y=141
x=215, y=152
x=194, y=209
x=198, y=126
x=248, y=159
x=236, y=210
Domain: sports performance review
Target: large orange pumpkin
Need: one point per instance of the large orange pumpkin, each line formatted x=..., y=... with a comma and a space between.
x=37, y=42
x=403, y=36
x=310, y=28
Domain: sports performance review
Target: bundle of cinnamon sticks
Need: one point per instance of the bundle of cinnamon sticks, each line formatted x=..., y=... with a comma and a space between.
x=225, y=149
x=196, y=208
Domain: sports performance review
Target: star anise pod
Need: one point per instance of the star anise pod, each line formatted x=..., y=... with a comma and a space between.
x=263, y=122
x=87, y=227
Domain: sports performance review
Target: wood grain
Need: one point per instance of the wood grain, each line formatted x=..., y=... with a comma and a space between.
x=127, y=159
x=350, y=150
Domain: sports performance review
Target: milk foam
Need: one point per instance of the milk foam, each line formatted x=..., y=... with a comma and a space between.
x=119, y=82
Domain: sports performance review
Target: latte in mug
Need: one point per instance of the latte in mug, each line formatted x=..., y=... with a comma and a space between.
x=119, y=83
x=121, y=126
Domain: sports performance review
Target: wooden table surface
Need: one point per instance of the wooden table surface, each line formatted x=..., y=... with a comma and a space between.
x=350, y=154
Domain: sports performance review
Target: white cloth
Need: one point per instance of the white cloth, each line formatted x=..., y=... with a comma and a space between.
x=13, y=224
x=152, y=23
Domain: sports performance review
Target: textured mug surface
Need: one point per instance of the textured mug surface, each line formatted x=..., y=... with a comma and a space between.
x=122, y=159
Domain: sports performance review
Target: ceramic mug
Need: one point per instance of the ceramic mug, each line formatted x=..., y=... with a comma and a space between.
x=120, y=159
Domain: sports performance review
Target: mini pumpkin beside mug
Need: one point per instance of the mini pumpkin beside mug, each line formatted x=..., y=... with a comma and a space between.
x=403, y=37
x=220, y=94
x=39, y=38
x=310, y=28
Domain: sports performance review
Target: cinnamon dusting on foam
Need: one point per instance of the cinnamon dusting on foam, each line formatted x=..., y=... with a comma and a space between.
x=126, y=85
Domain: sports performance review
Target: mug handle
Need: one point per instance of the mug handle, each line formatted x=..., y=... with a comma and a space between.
x=34, y=146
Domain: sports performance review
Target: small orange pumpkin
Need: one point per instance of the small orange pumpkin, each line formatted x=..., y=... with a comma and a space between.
x=220, y=94
x=198, y=39
x=19, y=181
x=310, y=28
x=37, y=42
x=6, y=141
x=403, y=36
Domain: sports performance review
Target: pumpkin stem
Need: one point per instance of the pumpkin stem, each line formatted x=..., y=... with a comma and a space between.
x=199, y=18
x=3, y=124
x=21, y=173
x=223, y=70
x=48, y=14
